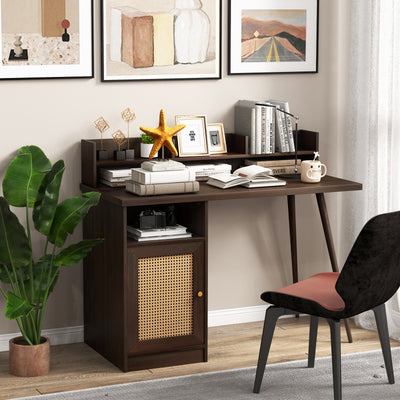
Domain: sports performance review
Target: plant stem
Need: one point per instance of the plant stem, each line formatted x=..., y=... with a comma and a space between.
x=28, y=229
x=46, y=294
x=21, y=328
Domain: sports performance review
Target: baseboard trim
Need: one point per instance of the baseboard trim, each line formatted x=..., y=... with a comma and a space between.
x=70, y=334
x=74, y=334
x=236, y=315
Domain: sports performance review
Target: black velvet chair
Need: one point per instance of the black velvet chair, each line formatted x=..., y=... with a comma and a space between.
x=370, y=277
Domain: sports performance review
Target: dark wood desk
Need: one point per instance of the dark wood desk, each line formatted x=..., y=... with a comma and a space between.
x=111, y=282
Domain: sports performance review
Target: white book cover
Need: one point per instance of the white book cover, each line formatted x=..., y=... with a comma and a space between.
x=146, y=239
x=209, y=169
x=114, y=173
x=148, y=177
x=168, y=230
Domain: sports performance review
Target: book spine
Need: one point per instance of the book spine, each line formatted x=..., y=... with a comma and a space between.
x=290, y=134
x=264, y=123
x=258, y=130
x=279, y=134
x=273, y=163
x=163, y=34
x=285, y=132
x=148, y=177
x=253, y=131
x=284, y=169
x=111, y=174
x=157, y=189
x=272, y=130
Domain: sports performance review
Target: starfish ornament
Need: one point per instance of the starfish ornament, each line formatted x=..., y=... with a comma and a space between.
x=162, y=135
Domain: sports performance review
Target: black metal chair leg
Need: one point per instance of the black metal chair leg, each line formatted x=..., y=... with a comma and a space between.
x=271, y=316
x=312, y=341
x=381, y=323
x=336, y=358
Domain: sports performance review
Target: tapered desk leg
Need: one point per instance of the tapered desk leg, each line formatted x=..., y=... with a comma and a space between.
x=331, y=249
x=293, y=240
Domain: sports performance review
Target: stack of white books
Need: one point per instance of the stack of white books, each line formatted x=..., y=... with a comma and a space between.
x=149, y=183
x=114, y=177
x=169, y=232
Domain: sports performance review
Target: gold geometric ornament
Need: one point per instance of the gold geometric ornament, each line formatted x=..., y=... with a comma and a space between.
x=128, y=115
x=102, y=125
x=119, y=138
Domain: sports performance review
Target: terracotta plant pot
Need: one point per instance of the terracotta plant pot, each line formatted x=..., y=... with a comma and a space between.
x=26, y=360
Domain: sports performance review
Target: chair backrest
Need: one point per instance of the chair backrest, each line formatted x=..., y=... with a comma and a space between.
x=371, y=273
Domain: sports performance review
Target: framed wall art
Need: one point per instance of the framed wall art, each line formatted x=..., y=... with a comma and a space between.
x=46, y=39
x=216, y=138
x=192, y=140
x=273, y=36
x=160, y=39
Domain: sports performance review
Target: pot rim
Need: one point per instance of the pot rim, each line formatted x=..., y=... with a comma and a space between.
x=14, y=339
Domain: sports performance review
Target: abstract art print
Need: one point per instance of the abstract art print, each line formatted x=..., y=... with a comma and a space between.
x=273, y=36
x=160, y=39
x=46, y=39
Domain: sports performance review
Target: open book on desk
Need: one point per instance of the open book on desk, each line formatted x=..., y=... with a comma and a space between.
x=251, y=176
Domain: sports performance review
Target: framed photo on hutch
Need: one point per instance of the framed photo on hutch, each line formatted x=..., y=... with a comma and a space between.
x=160, y=39
x=46, y=39
x=216, y=138
x=192, y=140
x=273, y=36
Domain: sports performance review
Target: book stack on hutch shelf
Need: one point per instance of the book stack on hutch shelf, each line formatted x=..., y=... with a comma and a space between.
x=162, y=177
x=114, y=177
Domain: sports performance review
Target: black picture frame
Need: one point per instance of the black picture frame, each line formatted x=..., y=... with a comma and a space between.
x=118, y=59
x=72, y=47
x=273, y=36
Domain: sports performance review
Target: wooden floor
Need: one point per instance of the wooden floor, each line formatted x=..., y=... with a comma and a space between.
x=77, y=366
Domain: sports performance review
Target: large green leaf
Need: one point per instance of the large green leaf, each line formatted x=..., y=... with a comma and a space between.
x=23, y=176
x=17, y=307
x=39, y=279
x=75, y=252
x=14, y=244
x=4, y=277
x=68, y=215
x=47, y=198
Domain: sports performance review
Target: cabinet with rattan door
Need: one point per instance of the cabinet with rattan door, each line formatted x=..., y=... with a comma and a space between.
x=166, y=304
x=145, y=302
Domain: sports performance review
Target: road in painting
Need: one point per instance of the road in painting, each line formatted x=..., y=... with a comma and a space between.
x=273, y=35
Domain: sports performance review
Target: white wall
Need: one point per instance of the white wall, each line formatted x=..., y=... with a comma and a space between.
x=249, y=239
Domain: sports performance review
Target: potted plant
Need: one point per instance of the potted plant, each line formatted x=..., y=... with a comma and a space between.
x=29, y=272
x=146, y=145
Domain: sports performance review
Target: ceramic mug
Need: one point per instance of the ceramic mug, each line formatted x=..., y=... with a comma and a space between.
x=312, y=171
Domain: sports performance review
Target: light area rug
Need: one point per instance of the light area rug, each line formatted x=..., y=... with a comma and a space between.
x=363, y=377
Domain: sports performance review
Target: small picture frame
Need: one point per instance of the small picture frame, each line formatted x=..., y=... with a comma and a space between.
x=192, y=140
x=216, y=138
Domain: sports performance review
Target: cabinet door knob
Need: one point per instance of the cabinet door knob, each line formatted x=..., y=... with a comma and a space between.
x=200, y=294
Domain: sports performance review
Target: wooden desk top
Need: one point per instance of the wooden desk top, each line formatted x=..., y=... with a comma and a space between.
x=207, y=193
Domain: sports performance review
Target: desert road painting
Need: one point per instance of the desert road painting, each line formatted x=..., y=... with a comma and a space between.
x=273, y=35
